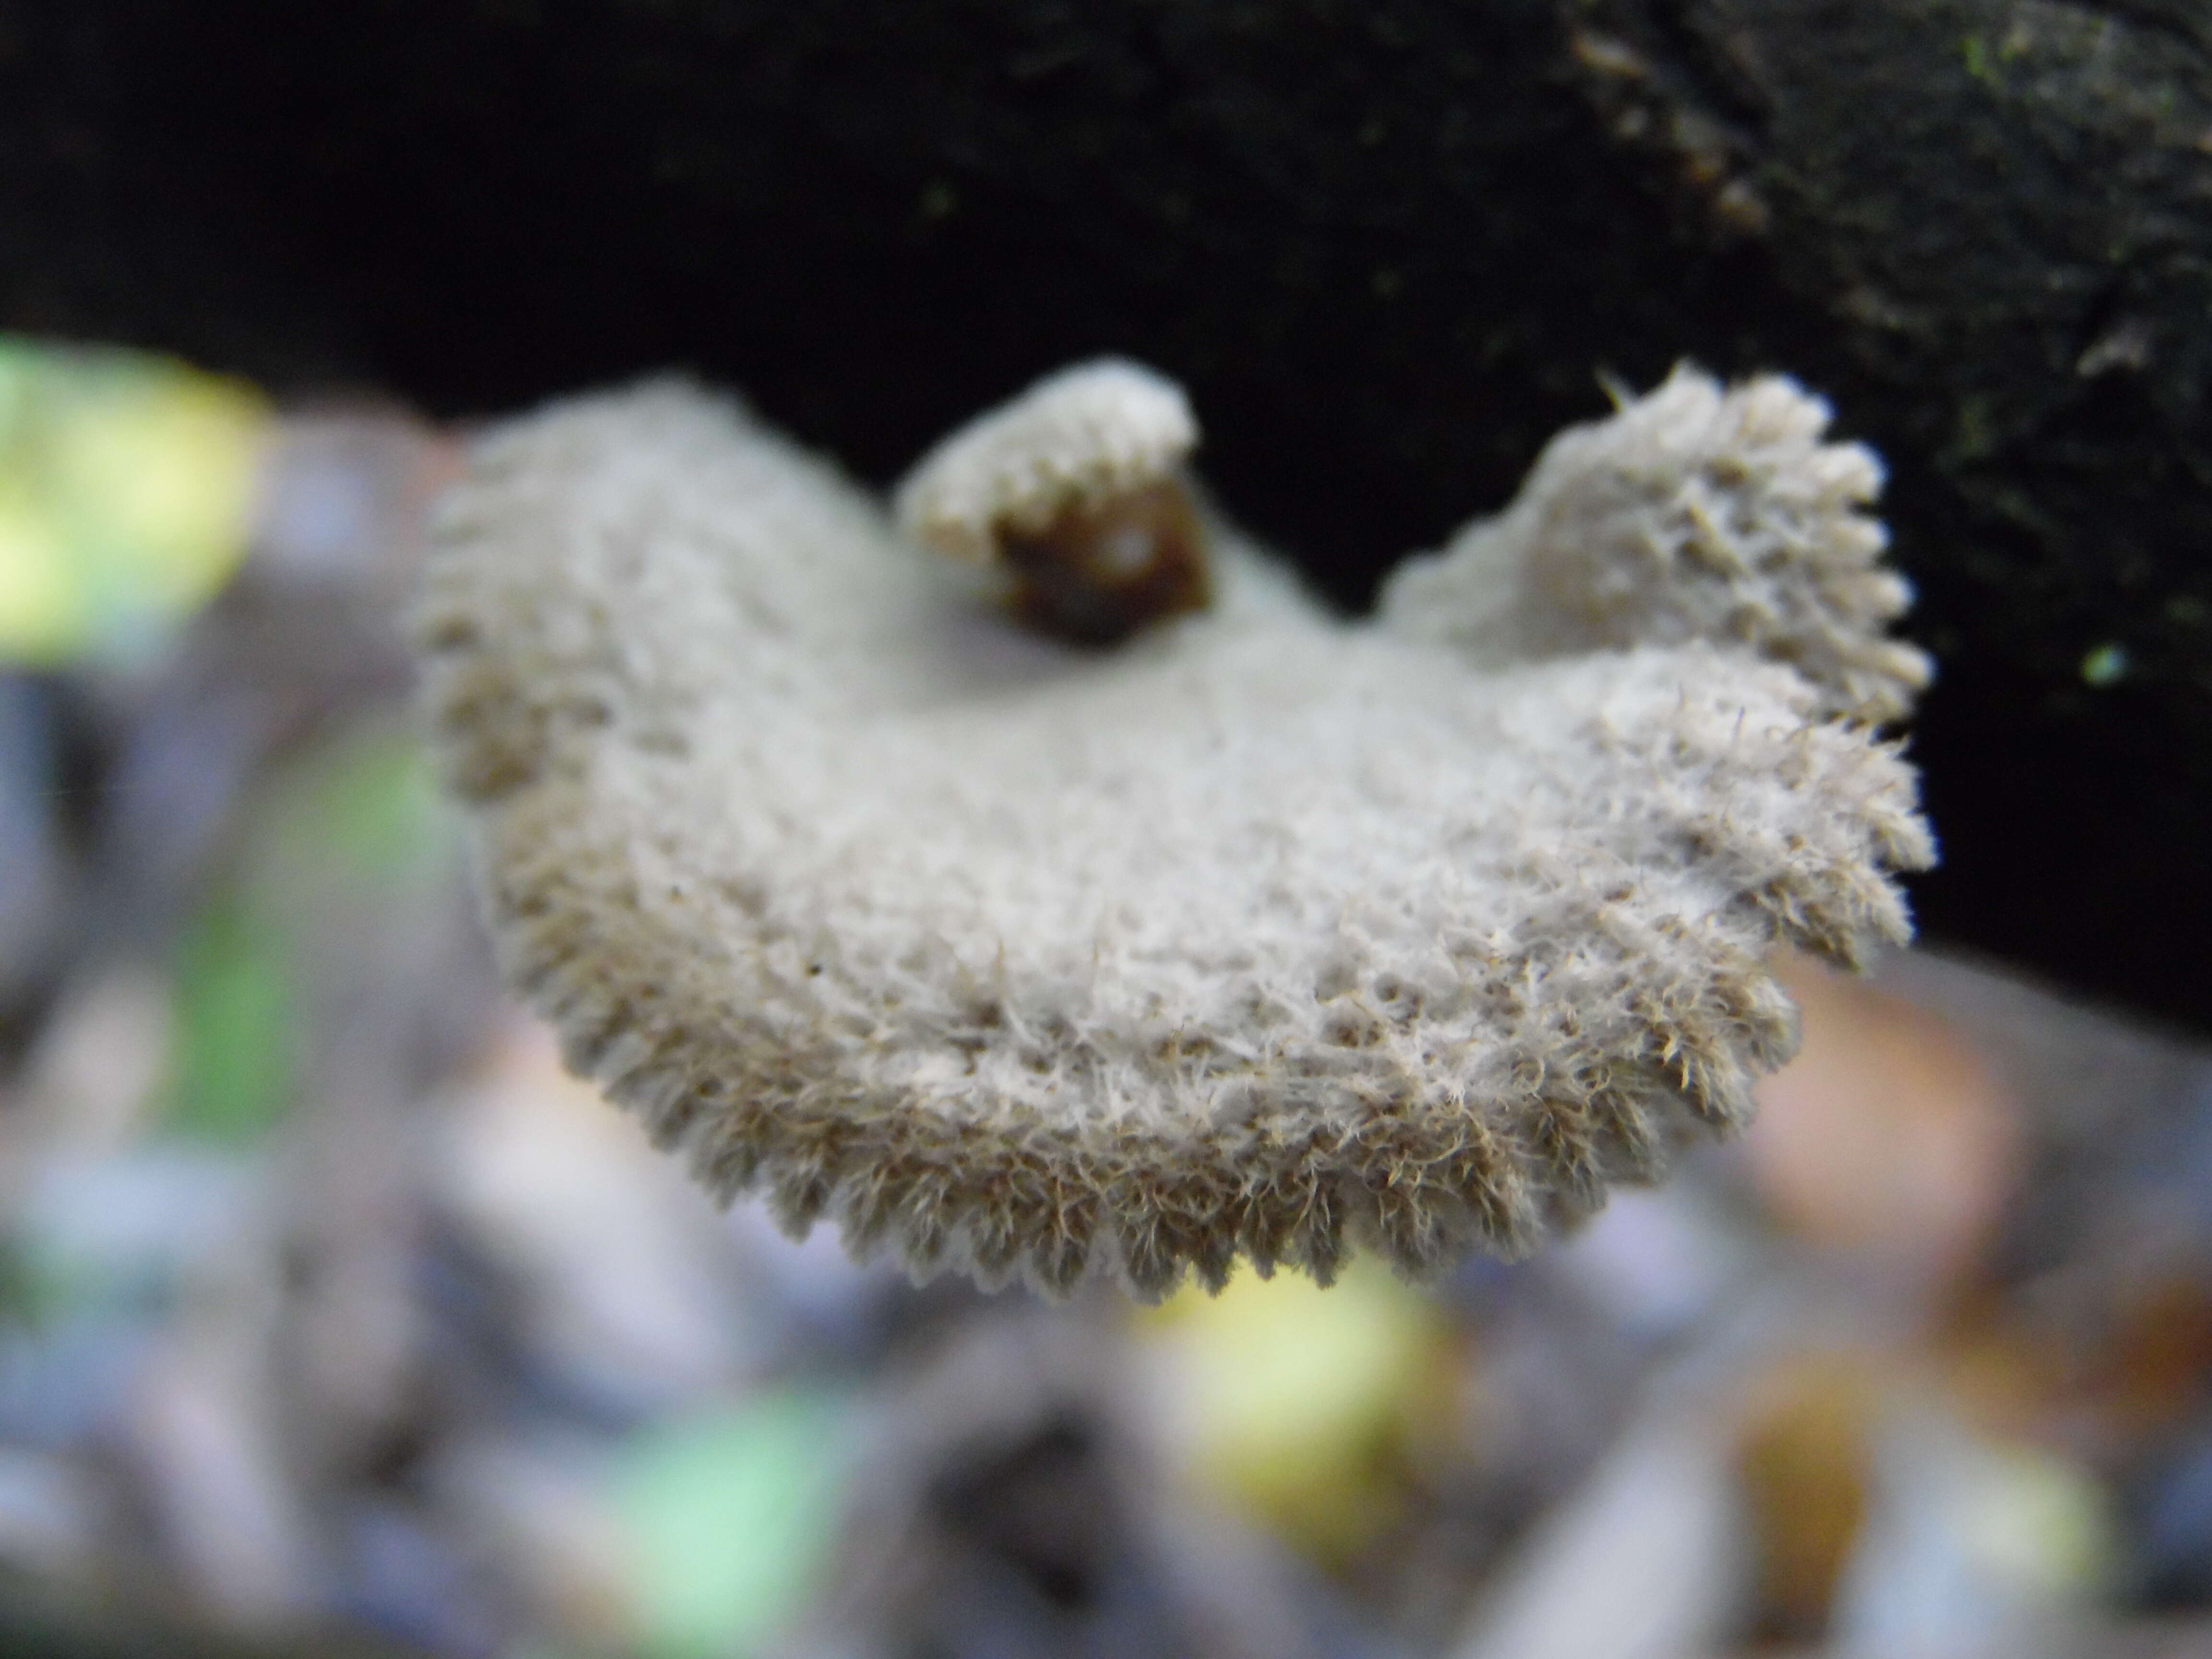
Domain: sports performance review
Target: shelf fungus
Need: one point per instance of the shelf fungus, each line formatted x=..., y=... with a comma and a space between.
x=1167, y=919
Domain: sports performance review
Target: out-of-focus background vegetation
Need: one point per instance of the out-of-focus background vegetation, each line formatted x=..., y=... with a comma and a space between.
x=334, y=1318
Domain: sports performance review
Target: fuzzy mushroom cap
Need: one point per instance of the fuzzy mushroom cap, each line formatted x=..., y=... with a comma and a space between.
x=1266, y=934
x=1074, y=440
x=1696, y=513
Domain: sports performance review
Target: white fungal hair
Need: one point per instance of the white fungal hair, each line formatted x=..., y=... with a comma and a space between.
x=1266, y=935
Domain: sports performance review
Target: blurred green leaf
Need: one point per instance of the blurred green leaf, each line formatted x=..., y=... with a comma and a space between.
x=732, y=1516
x=235, y=1036
x=127, y=485
x=365, y=810
x=355, y=823
x=29, y=1295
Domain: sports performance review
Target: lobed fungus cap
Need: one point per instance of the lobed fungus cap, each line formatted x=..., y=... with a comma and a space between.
x=1697, y=512
x=1078, y=437
x=1265, y=935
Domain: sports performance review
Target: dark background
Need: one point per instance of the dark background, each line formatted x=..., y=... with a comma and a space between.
x=1388, y=246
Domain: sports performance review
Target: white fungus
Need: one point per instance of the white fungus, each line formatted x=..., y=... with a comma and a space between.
x=1089, y=432
x=1265, y=934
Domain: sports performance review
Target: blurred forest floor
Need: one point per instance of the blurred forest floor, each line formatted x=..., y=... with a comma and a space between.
x=338, y=1319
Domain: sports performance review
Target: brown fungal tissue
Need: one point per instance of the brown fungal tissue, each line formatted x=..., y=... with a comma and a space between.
x=1099, y=572
x=1262, y=934
x=1074, y=491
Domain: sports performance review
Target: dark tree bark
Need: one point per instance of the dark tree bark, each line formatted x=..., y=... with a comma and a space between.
x=1387, y=245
